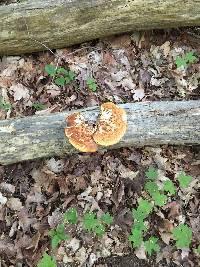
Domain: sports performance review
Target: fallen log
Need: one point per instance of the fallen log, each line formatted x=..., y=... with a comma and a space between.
x=35, y=25
x=149, y=123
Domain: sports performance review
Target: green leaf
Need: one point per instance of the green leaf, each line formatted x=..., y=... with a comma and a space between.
x=39, y=106
x=4, y=105
x=190, y=57
x=151, y=187
x=151, y=245
x=107, y=218
x=168, y=186
x=47, y=261
x=62, y=71
x=55, y=241
x=136, y=238
x=89, y=221
x=152, y=174
x=60, y=81
x=71, y=75
x=71, y=216
x=99, y=229
x=184, y=180
x=183, y=236
x=50, y=69
x=90, y=81
x=180, y=62
x=159, y=199
x=198, y=249
x=140, y=225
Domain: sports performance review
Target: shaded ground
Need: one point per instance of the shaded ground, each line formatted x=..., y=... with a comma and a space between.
x=34, y=195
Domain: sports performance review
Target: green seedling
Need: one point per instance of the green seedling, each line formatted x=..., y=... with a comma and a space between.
x=39, y=106
x=60, y=75
x=151, y=245
x=169, y=187
x=188, y=58
x=151, y=187
x=91, y=83
x=71, y=216
x=136, y=237
x=184, y=180
x=152, y=174
x=57, y=235
x=198, y=249
x=4, y=105
x=159, y=199
x=47, y=261
x=183, y=236
x=91, y=223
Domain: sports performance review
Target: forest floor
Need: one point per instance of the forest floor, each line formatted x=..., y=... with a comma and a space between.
x=156, y=65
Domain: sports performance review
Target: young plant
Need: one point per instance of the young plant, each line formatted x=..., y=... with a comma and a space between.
x=39, y=106
x=198, y=249
x=184, y=180
x=169, y=187
x=92, y=223
x=61, y=75
x=186, y=59
x=91, y=83
x=57, y=235
x=71, y=216
x=139, y=214
x=151, y=245
x=152, y=174
x=183, y=236
x=47, y=261
x=4, y=105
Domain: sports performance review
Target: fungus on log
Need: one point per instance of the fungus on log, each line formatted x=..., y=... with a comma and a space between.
x=40, y=24
x=148, y=123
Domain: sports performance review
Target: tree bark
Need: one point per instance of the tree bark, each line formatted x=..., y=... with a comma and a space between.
x=24, y=27
x=149, y=123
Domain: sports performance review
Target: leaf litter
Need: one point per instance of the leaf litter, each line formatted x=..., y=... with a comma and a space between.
x=34, y=197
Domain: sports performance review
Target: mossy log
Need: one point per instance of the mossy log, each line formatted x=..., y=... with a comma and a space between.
x=149, y=123
x=25, y=26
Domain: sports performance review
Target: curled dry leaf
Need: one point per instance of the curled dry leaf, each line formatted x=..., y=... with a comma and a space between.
x=80, y=133
x=111, y=126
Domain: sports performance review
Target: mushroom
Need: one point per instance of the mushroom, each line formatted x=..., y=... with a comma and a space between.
x=111, y=126
x=80, y=133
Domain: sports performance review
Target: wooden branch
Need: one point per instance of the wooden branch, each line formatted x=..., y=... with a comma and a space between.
x=149, y=123
x=24, y=27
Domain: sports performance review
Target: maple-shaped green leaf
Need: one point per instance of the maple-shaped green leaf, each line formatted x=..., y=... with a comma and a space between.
x=152, y=173
x=143, y=210
x=168, y=186
x=89, y=221
x=180, y=62
x=99, y=230
x=151, y=187
x=50, y=69
x=47, y=261
x=57, y=235
x=136, y=238
x=107, y=218
x=159, y=199
x=151, y=245
x=71, y=216
x=60, y=81
x=183, y=236
x=91, y=82
x=140, y=225
x=184, y=180
x=190, y=57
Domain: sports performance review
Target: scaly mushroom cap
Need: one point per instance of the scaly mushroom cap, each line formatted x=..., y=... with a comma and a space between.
x=80, y=134
x=111, y=125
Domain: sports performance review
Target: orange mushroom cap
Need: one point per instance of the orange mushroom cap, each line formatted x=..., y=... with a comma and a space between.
x=111, y=126
x=80, y=133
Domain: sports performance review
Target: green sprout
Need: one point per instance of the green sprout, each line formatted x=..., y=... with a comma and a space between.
x=57, y=235
x=47, y=261
x=91, y=83
x=183, y=236
x=151, y=245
